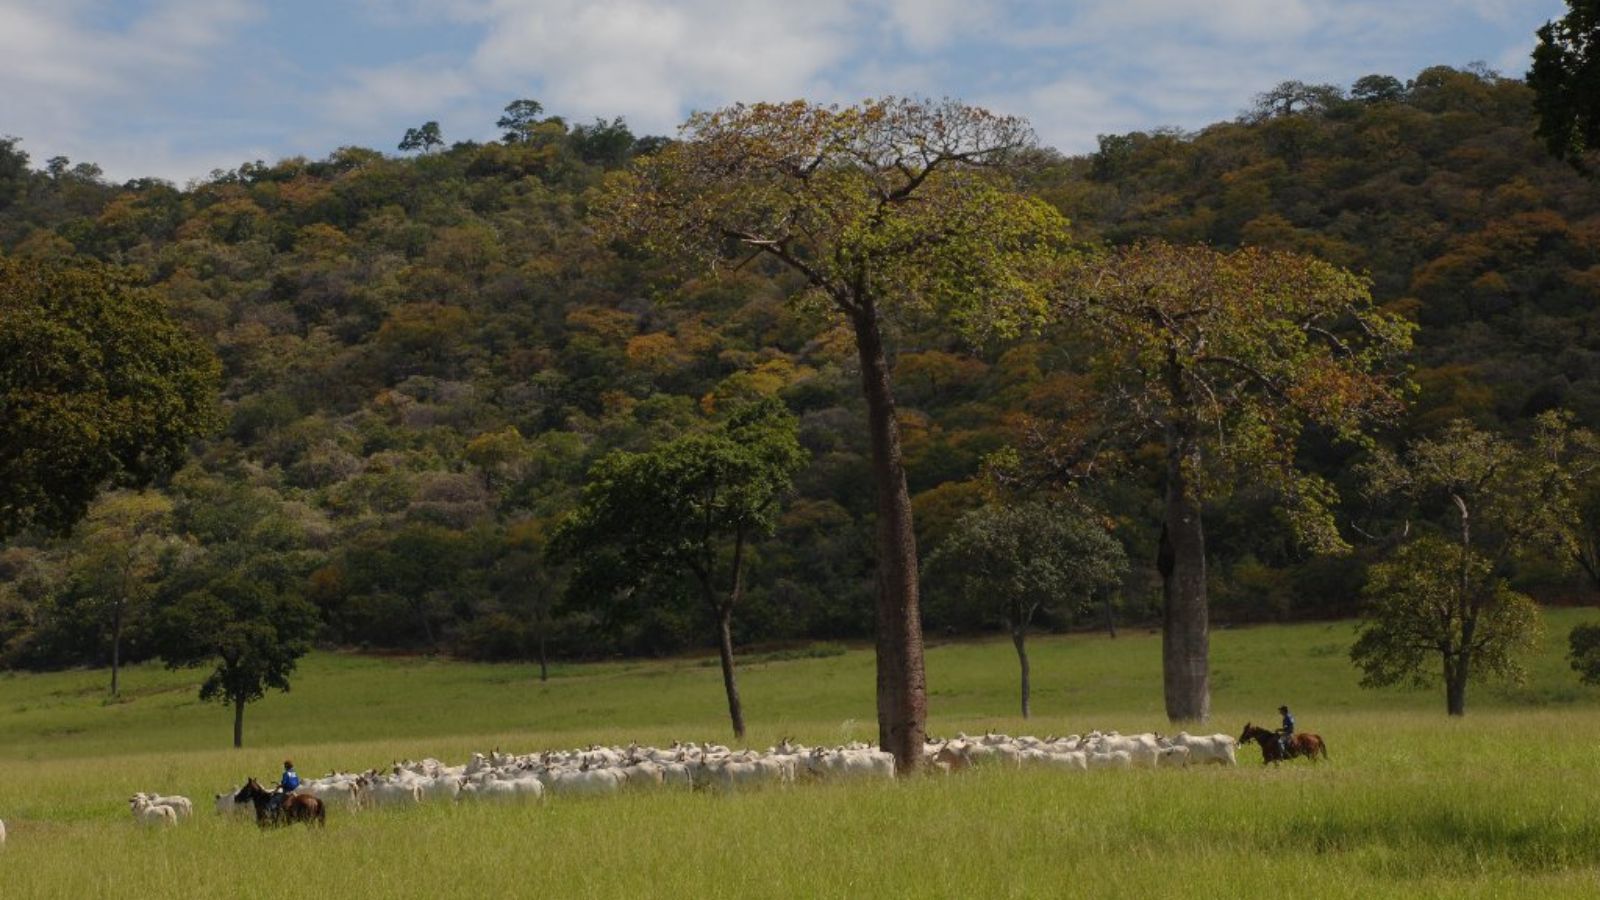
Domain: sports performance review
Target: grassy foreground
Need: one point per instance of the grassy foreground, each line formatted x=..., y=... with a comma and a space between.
x=1412, y=805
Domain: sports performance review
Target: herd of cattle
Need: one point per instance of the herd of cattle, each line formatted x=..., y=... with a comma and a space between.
x=600, y=771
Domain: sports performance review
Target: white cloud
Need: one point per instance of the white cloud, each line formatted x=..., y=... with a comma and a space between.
x=926, y=25
x=419, y=87
x=64, y=75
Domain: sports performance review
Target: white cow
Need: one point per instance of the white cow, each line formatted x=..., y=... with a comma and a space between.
x=1115, y=759
x=1215, y=748
x=180, y=805
x=1172, y=757
x=590, y=782
x=227, y=806
x=147, y=813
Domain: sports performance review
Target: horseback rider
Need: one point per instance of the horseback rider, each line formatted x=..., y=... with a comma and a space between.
x=287, y=785
x=1286, y=732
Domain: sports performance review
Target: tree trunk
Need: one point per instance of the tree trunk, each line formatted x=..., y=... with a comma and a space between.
x=1019, y=639
x=116, y=647
x=725, y=649
x=1455, y=685
x=1185, y=637
x=902, y=681
x=541, y=621
x=1457, y=669
x=1111, y=619
x=238, y=723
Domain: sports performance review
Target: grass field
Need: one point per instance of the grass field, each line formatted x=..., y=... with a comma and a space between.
x=1504, y=802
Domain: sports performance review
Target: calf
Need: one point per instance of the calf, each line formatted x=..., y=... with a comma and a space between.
x=147, y=813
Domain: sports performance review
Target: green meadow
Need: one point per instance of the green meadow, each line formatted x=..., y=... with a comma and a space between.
x=1412, y=804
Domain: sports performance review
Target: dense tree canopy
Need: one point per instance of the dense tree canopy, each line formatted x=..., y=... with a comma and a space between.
x=98, y=387
x=1565, y=78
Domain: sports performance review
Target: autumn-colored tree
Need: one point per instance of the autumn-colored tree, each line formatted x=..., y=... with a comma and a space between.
x=1228, y=358
x=888, y=210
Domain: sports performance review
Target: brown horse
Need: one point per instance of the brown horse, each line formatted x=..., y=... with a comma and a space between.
x=1307, y=745
x=294, y=808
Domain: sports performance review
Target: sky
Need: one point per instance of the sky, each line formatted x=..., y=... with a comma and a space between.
x=176, y=88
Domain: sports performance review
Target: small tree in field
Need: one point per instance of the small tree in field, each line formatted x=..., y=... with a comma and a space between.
x=692, y=507
x=123, y=543
x=1483, y=501
x=886, y=210
x=1436, y=612
x=1010, y=562
x=251, y=634
x=1584, y=652
x=1226, y=359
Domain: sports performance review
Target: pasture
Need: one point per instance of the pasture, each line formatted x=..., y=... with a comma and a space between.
x=1411, y=805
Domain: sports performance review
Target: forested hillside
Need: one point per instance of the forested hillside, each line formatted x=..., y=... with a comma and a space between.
x=423, y=354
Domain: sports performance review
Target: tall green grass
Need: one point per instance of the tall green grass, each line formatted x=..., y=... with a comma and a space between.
x=1413, y=804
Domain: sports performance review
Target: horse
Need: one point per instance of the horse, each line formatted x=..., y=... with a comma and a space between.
x=294, y=808
x=1306, y=744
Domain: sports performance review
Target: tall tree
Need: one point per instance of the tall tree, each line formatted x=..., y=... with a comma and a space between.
x=529, y=581
x=425, y=137
x=98, y=386
x=1229, y=358
x=1483, y=500
x=1565, y=78
x=521, y=119
x=122, y=545
x=1012, y=561
x=692, y=507
x=888, y=210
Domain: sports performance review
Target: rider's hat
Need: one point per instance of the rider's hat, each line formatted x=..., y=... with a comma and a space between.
x=1283, y=709
x=288, y=764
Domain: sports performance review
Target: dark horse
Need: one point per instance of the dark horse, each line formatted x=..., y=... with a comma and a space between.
x=1308, y=745
x=295, y=808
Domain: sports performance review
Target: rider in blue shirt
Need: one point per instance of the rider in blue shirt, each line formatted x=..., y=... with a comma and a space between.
x=1287, y=731
x=288, y=784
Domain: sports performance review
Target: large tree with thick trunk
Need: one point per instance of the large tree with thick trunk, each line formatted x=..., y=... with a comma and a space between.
x=691, y=508
x=1227, y=358
x=888, y=210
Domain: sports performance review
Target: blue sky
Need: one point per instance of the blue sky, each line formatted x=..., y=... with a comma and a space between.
x=176, y=88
